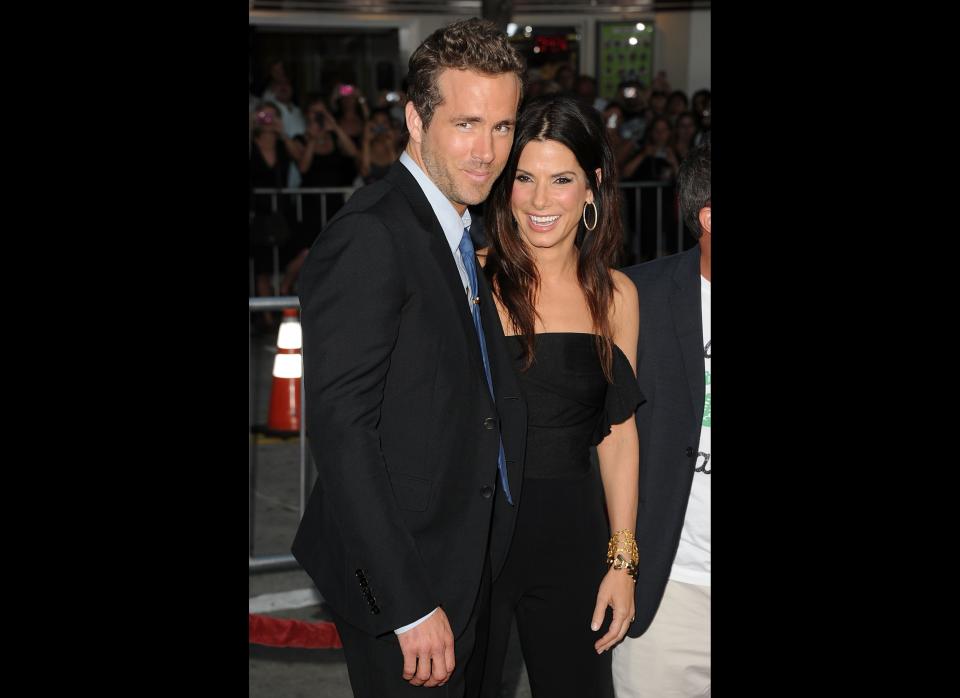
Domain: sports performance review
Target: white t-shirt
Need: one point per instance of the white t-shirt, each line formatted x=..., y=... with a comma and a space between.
x=692, y=563
x=294, y=125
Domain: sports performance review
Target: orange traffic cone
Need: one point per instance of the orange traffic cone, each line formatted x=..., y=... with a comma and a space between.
x=287, y=370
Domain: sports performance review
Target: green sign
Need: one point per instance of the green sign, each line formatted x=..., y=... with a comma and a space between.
x=624, y=52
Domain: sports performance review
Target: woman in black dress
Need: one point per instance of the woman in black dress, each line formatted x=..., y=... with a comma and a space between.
x=271, y=153
x=553, y=221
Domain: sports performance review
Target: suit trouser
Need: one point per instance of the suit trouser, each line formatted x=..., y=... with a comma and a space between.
x=672, y=658
x=375, y=664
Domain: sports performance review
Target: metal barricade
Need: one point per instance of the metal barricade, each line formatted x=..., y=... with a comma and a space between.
x=286, y=561
x=632, y=203
x=297, y=194
x=632, y=200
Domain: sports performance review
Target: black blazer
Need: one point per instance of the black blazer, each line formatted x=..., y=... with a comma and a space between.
x=670, y=373
x=399, y=417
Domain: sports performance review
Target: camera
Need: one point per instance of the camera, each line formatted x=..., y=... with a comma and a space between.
x=612, y=121
x=264, y=118
x=318, y=117
x=346, y=90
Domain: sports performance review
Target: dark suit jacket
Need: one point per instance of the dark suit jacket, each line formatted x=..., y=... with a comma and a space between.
x=399, y=417
x=670, y=373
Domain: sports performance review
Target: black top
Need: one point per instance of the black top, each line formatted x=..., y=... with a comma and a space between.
x=570, y=405
x=334, y=169
x=264, y=176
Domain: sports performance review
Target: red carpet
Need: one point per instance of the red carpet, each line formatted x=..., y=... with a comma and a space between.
x=283, y=632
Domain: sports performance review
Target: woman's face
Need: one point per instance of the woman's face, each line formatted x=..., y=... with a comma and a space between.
x=315, y=115
x=549, y=192
x=661, y=133
x=685, y=128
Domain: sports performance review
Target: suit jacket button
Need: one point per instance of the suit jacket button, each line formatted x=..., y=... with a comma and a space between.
x=490, y=423
x=690, y=452
x=486, y=491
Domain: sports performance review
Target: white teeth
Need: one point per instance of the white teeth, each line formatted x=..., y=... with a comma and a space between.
x=543, y=220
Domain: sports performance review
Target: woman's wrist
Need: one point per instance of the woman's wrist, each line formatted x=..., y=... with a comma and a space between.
x=622, y=553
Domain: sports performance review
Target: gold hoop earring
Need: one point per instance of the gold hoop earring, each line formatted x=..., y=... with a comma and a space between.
x=596, y=216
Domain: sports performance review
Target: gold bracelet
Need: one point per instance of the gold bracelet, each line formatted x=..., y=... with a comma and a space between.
x=622, y=552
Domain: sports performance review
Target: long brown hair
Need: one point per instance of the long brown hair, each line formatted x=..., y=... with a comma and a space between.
x=510, y=268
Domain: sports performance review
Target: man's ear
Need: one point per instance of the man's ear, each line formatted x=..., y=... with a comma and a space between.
x=414, y=123
x=705, y=219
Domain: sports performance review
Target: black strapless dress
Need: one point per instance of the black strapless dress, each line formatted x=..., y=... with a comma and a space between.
x=557, y=558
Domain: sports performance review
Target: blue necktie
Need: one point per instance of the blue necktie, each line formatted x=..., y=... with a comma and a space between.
x=470, y=264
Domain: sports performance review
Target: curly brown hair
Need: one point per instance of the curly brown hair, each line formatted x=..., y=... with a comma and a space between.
x=470, y=44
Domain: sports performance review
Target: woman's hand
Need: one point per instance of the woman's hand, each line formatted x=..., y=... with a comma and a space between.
x=616, y=591
x=314, y=130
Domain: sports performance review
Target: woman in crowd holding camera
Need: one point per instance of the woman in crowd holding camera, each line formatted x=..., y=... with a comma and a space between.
x=571, y=321
x=350, y=109
x=655, y=159
x=329, y=160
x=683, y=134
x=272, y=149
x=271, y=153
x=380, y=148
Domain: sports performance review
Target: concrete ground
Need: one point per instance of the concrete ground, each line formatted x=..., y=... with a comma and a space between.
x=300, y=673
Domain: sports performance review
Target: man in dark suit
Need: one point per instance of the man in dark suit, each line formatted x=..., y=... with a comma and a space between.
x=667, y=648
x=413, y=412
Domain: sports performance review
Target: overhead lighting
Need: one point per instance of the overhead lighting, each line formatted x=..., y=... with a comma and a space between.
x=511, y=28
x=632, y=41
x=641, y=26
x=536, y=49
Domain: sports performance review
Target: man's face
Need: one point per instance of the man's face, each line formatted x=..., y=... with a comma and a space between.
x=283, y=90
x=466, y=146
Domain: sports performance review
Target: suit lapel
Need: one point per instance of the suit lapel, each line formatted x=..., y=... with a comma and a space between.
x=688, y=323
x=440, y=251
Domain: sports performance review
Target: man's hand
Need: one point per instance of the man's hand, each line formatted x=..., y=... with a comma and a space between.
x=428, y=658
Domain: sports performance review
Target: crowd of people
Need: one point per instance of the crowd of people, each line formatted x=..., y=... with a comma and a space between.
x=339, y=138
